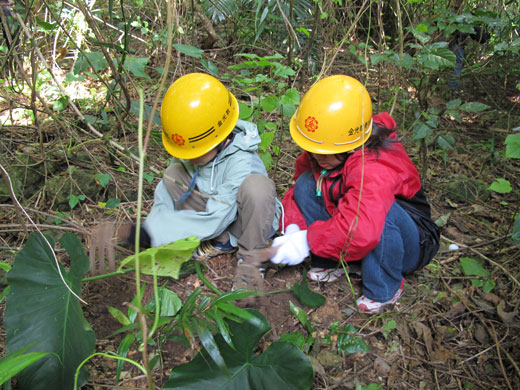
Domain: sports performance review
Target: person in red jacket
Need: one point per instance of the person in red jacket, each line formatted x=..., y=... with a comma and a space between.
x=357, y=195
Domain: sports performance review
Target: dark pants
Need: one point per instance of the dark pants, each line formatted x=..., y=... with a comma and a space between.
x=396, y=254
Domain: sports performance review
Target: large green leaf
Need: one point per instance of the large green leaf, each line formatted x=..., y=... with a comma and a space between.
x=166, y=259
x=137, y=66
x=41, y=311
x=513, y=146
x=281, y=366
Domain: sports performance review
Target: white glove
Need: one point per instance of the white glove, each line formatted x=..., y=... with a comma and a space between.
x=292, y=228
x=293, y=250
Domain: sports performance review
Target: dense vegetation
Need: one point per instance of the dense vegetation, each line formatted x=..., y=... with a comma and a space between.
x=81, y=84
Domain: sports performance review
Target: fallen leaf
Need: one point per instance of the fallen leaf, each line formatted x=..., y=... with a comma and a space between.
x=481, y=334
x=442, y=354
x=490, y=297
x=426, y=334
x=456, y=310
x=381, y=367
x=506, y=317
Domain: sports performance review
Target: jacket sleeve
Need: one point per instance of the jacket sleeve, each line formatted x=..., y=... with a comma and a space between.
x=356, y=227
x=291, y=213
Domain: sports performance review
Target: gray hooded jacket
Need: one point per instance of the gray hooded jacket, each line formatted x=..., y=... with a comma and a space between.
x=220, y=178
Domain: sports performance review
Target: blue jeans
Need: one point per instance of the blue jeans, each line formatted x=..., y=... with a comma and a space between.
x=396, y=254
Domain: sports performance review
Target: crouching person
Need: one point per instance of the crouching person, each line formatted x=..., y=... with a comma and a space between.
x=227, y=200
x=357, y=195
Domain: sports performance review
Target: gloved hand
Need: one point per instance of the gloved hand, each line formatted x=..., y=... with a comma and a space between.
x=293, y=250
x=292, y=228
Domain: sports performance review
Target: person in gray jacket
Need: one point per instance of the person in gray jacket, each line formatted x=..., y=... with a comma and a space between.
x=216, y=186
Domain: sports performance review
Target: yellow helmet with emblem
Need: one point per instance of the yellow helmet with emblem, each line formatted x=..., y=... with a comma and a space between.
x=334, y=116
x=197, y=114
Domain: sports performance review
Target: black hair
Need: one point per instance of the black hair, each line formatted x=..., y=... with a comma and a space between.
x=378, y=140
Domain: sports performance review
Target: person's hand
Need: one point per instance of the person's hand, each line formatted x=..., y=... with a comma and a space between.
x=293, y=250
x=292, y=228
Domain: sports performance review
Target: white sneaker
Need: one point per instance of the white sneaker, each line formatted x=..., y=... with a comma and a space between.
x=367, y=305
x=325, y=274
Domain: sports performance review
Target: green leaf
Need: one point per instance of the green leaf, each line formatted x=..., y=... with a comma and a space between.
x=515, y=238
x=96, y=58
x=245, y=111
x=283, y=71
x=170, y=302
x=421, y=130
x=295, y=338
x=377, y=58
x=74, y=200
x=167, y=259
x=349, y=343
x=472, y=267
x=302, y=316
x=119, y=315
x=112, y=203
x=210, y=67
x=269, y=103
x=60, y=104
x=189, y=50
x=124, y=347
x=267, y=159
x=453, y=104
x=15, y=362
x=4, y=266
x=70, y=76
x=406, y=61
x=102, y=179
x=446, y=142
x=307, y=297
x=266, y=140
x=134, y=109
x=488, y=286
x=281, y=366
x=292, y=96
x=46, y=26
x=137, y=66
x=149, y=177
x=422, y=28
x=474, y=107
x=438, y=58
x=513, y=146
x=210, y=344
x=501, y=186
x=41, y=311
x=372, y=386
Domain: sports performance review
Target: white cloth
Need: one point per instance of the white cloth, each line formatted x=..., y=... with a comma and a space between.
x=293, y=248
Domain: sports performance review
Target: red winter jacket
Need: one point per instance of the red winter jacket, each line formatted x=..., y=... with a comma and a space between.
x=361, y=193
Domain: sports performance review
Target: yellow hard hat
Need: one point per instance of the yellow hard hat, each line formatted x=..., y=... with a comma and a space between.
x=334, y=116
x=197, y=114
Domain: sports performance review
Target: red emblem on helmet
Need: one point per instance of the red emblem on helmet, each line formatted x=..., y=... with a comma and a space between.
x=177, y=139
x=311, y=124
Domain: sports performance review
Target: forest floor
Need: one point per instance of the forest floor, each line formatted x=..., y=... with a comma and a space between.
x=448, y=331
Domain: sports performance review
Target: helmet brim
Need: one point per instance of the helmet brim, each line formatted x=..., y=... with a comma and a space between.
x=319, y=147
